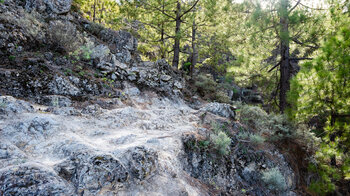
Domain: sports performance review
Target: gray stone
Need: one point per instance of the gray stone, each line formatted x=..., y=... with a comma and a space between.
x=178, y=85
x=29, y=132
x=121, y=43
x=92, y=110
x=62, y=86
x=132, y=91
x=143, y=162
x=106, y=67
x=55, y=101
x=10, y=105
x=48, y=56
x=101, y=52
x=92, y=173
x=221, y=109
x=52, y=6
x=113, y=76
x=32, y=179
x=123, y=140
x=165, y=78
x=64, y=111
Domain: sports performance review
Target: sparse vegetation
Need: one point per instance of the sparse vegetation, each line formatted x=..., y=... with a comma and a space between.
x=276, y=125
x=3, y=104
x=64, y=36
x=253, y=138
x=274, y=179
x=12, y=57
x=221, y=142
x=210, y=90
x=256, y=139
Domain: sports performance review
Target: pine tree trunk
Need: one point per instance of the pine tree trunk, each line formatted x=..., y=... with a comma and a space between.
x=94, y=15
x=194, y=49
x=177, y=36
x=285, y=64
x=162, y=51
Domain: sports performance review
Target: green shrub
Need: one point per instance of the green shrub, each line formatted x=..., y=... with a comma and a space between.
x=205, y=85
x=222, y=97
x=83, y=52
x=209, y=89
x=274, y=179
x=94, y=28
x=243, y=135
x=12, y=58
x=222, y=142
x=253, y=138
x=256, y=138
x=278, y=126
x=253, y=116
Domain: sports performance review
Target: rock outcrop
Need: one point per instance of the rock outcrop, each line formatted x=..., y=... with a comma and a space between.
x=81, y=59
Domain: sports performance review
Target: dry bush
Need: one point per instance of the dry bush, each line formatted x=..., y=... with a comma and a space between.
x=64, y=36
x=210, y=90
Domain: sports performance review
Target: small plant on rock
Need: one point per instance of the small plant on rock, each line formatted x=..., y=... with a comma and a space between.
x=274, y=180
x=222, y=142
x=3, y=104
x=256, y=138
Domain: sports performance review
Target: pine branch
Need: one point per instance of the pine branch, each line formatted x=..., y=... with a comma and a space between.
x=300, y=59
x=194, y=5
x=274, y=67
x=295, y=40
x=294, y=6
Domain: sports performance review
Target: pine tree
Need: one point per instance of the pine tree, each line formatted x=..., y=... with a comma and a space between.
x=323, y=88
x=280, y=34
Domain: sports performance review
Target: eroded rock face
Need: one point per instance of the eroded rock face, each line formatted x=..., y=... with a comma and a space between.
x=94, y=152
x=98, y=151
x=9, y=105
x=32, y=179
x=122, y=44
x=49, y=6
x=242, y=169
x=90, y=173
x=143, y=162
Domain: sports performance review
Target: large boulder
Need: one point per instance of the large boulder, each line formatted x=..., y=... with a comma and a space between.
x=121, y=43
x=10, y=105
x=91, y=173
x=142, y=162
x=220, y=109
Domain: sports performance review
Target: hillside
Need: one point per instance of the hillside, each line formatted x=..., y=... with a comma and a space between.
x=82, y=114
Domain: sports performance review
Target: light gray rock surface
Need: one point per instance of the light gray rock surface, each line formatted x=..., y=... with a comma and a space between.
x=129, y=150
x=221, y=109
x=65, y=155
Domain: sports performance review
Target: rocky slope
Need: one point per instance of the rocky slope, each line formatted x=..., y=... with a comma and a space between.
x=81, y=114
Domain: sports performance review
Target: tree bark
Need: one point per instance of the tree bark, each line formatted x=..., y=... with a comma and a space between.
x=285, y=64
x=94, y=15
x=177, y=35
x=194, y=56
x=162, y=32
